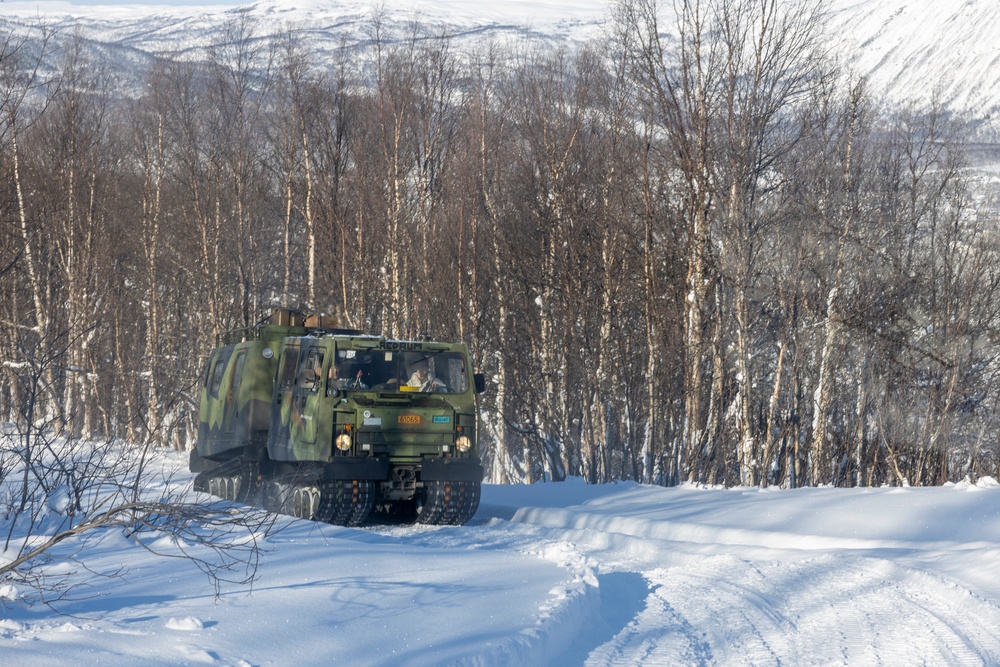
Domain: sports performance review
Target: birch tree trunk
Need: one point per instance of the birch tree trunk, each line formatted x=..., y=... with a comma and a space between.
x=41, y=327
x=152, y=197
x=490, y=123
x=819, y=472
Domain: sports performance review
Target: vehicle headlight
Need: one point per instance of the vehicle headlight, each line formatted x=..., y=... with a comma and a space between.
x=462, y=443
x=343, y=442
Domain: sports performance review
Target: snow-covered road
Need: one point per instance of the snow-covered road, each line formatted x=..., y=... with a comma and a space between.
x=748, y=577
x=570, y=574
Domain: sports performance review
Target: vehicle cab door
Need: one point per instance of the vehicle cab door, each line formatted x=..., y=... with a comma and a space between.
x=308, y=404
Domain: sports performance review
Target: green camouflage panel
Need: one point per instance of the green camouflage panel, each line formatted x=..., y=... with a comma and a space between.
x=302, y=416
x=358, y=385
x=238, y=388
x=235, y=397
x=406, y=433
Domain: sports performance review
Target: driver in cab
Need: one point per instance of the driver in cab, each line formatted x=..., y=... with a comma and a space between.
x=422, y=378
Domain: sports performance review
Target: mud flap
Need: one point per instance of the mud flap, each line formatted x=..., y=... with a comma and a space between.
x=198, y=463
x=357, y=467
x=453, y=470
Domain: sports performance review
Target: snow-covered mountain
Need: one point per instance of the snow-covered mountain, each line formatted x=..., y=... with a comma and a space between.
x=915, y=49
x=180, y=31
x=911, y=49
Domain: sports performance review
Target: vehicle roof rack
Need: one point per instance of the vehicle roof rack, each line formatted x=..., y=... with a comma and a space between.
x=284, y=322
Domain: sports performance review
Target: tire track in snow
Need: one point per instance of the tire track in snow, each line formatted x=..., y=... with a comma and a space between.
x=728, y=604
x=843, y=610
x=723, y=611
x=658, y=635
x=891, y=614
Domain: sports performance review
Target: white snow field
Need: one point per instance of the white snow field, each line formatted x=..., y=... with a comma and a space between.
x=566, y=574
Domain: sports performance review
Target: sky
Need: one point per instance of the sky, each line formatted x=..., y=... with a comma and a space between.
x=563, y=574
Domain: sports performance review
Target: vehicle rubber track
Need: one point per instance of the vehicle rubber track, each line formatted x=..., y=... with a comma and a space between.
x=233, y=480
x=345, y=502
x=449, y=503
x=340, y=502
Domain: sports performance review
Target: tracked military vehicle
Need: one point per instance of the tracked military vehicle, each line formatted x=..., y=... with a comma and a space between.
x=329, y=424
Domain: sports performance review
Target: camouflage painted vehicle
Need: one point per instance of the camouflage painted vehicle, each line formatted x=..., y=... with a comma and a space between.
x=329, y=424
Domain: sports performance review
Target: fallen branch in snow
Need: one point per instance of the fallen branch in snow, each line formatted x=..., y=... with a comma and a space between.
x=57, y=492
x=229, y=534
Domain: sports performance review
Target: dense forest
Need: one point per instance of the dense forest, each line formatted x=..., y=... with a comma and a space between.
x=700, y=249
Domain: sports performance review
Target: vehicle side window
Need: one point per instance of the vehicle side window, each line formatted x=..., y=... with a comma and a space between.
x=311, y=375
x=217, y=375
x=456, y=376
x=206, y=375
x=289, y=365
x=238, y=372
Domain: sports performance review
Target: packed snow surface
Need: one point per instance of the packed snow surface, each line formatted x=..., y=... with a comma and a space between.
x=566, y=574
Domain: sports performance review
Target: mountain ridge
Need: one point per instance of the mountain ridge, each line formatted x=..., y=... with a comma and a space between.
x=910, y=50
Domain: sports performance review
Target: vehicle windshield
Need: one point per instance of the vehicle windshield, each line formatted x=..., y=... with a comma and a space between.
x=400, y=371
